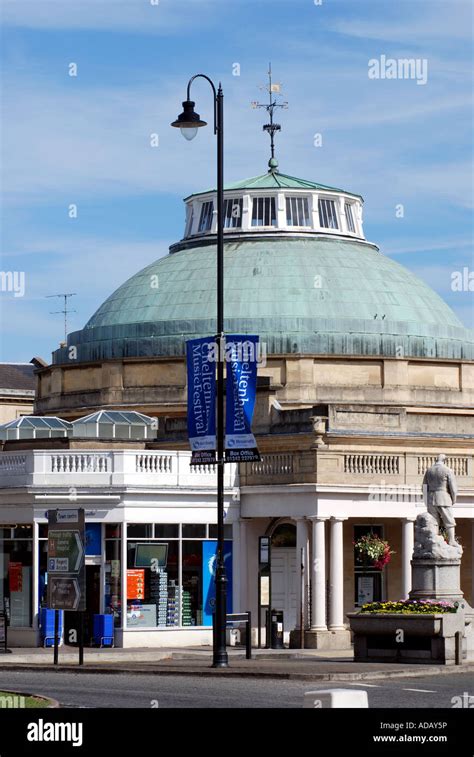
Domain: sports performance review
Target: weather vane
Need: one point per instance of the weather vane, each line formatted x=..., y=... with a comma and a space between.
x=273, y=89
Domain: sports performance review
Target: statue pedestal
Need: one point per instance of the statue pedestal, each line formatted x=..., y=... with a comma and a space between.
x=436, y=578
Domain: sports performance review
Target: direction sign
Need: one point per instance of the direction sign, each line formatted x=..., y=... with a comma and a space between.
x=67, y=550
x=64, y=593
x=66, y=560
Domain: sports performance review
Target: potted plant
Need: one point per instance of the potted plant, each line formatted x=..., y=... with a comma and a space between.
x=371, y=550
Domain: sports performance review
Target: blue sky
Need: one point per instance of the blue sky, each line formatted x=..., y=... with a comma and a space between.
x=85, y=140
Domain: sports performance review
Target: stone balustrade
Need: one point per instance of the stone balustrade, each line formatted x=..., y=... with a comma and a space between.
x=57, y=468
x=340, y=467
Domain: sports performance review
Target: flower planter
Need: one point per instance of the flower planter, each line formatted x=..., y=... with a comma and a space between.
x=401, y=637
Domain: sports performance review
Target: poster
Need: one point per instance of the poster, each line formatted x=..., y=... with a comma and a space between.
x=15, y=576
x=241, y=388
x=365, y=589
x=136, y=584
x=201, y=373
x=208, y=578
x=115, y=568
x=141, y=615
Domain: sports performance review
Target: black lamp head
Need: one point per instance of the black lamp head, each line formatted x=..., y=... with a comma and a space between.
x=189, y=121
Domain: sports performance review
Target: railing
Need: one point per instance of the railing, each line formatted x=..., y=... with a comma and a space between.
x=109, y=468
x=459, y=465
x=274, y=464
x=152, y=462
x=80, y=463
x=339, y=467
x=384, y=465
x=12, y=463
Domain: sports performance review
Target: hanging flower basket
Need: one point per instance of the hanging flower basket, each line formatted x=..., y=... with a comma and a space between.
x=373, y=551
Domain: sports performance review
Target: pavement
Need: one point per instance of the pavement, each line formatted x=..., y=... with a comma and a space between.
x=294, y=664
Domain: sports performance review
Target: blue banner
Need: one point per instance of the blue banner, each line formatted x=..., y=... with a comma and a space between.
x=201, y=370
x=209, y=549
x=241, y=388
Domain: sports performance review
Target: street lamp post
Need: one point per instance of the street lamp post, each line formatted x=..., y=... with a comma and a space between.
x=189, y=122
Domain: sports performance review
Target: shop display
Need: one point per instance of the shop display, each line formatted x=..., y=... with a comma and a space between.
x=159, y=595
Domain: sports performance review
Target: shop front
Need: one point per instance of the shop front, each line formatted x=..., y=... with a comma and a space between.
x=149, y=552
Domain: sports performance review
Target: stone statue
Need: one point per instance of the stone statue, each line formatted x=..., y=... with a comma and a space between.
x=439, y=493
x=429, y=544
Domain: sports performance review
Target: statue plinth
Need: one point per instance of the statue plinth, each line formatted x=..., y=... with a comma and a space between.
x=436, y=578
x=436, y=565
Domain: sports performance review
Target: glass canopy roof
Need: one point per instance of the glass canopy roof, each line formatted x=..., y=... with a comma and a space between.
x=115, y=424
x=35, y=427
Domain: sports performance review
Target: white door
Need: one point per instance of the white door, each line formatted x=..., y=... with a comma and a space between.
x=284, y=585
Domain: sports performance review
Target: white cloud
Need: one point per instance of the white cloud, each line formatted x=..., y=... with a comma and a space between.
x=435, y=20
x=143, y=16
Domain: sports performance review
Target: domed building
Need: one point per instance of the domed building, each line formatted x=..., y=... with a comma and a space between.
x=365, y=376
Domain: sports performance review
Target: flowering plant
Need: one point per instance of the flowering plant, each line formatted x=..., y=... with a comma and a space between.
x=408, y=606
x=374, y=550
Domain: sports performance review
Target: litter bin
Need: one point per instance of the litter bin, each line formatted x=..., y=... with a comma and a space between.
x=275, y=627
x=47, y=626
x=103, y=630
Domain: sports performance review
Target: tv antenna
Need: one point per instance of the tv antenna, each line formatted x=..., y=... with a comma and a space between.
x=65, y=310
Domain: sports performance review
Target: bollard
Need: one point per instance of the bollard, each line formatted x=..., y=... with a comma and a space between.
x=328, y=698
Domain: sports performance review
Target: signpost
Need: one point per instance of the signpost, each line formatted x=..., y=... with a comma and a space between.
x=66, y=568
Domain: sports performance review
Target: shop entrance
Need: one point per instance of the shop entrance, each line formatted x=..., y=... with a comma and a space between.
x=283, y=574
x=71, y=619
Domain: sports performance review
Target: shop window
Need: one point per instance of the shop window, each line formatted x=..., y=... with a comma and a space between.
x=140, y=530
x=166, y=530
x=194, y=531
x=16, y=560
x=213, y=531
x=113, y=580
x=152, y=592
x=112, y=530
x=155, y=599
x=192, y=583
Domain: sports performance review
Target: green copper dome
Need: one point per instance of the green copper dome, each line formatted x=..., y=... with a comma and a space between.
x=301, y=294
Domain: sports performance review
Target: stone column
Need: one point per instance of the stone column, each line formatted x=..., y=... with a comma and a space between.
x=318, y=576
x=472, y=562
x=302, y=543
x=336, y=576
x=407, y=554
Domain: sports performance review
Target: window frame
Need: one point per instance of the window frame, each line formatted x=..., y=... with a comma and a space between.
x=235, y=201
x=351, y=215
x=289, y=198
x=206, y=215
x=272, y=207
x=333, y=200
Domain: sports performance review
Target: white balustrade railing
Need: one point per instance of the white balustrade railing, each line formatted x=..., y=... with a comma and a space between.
x=108, y=468
x=153, y=462
x=81, y=462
